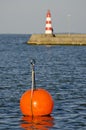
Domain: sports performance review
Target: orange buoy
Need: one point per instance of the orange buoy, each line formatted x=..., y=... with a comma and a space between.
x=36, y=102
x=40, y=104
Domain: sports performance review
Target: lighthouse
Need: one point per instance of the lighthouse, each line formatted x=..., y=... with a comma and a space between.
x=48, y=27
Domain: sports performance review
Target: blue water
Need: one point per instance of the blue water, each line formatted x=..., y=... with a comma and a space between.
x=59, y=69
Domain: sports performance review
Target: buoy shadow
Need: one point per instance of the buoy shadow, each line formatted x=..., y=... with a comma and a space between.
x=39, y=122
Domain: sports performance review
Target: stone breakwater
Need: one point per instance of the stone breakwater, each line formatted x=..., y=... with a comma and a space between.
x=57, y=39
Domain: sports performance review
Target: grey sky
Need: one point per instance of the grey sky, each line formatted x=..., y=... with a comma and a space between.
x=28, y=16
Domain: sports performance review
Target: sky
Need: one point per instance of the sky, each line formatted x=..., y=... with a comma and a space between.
x=29, y=16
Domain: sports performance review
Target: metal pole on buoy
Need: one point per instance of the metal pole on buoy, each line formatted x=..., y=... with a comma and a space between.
x=33, y=75
x=33, y=84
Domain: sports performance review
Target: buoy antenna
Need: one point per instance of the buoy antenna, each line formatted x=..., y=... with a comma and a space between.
x=33, y=74
x=33, y=62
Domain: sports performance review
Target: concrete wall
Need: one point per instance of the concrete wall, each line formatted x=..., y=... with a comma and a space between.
x=58, y=39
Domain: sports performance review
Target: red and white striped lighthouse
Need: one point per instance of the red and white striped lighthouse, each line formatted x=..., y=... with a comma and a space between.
x=48, y=27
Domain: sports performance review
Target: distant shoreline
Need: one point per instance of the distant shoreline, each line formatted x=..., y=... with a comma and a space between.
x=57, y=39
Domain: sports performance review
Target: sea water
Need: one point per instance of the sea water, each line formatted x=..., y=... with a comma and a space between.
x=61, y=70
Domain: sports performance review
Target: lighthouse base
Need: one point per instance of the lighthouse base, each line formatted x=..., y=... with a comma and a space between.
x=57, y=39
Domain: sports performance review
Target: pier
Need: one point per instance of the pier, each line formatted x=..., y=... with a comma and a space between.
x=49, y=38
x=57, y=39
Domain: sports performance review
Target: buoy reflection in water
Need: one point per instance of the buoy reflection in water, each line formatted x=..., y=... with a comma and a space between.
x=39, y=123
